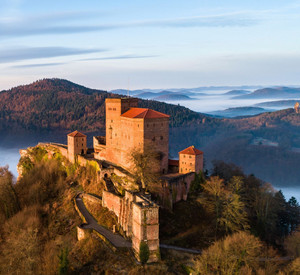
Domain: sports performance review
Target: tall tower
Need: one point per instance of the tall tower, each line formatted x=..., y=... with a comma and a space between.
x=115, y=107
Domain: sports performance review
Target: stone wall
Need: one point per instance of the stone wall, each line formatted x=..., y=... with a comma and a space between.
x=176, y=188
x=91, y=198
x=113, y=202
x=139, y=218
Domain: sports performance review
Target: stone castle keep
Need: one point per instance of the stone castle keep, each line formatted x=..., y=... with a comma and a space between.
x=130, y=128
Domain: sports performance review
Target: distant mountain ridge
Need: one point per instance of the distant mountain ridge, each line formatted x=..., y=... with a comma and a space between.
x=269, y=93
x=237, y=92
x=278, y=103
x=239, y=112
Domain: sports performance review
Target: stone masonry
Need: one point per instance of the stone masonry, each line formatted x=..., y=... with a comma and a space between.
x=139, y=218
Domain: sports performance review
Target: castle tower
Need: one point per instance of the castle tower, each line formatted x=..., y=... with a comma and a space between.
x=129, y=127
x=145, y=228
x=190, y=160
x=76, y=145
x=147, y=128
x=115, y=107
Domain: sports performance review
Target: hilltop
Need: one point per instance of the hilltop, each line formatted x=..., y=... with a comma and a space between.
x=276, y=92
x=239, y=111
x=60, y=104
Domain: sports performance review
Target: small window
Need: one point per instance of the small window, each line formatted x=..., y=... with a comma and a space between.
x=190, y=157
x=161, y=137
x=162, y=124
x=112, y=121
x=153, y=124
x=191, y=163
x=82, y=144
x=147, y=125
x=138, y=125
x=109, y=109
x=153, y=139
x=115, y=134
x=114, y=109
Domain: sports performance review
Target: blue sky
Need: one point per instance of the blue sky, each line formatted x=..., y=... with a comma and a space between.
x=150, y=44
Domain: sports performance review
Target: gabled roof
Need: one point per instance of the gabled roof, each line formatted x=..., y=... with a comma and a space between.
x=76, y=134
x=143, y=113
x=191, y=151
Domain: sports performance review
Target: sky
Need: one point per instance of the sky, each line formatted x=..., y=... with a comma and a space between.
x=150, y=44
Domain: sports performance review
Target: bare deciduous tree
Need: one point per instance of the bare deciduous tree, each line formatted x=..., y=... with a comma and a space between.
x=146, y=165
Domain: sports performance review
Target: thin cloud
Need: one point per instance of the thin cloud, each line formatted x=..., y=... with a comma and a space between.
x=226, y=20
x=25, y=53
x=129, y=56
x=63, y=25
x=38, y=65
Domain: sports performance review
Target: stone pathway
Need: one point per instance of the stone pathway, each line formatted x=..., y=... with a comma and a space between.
x=116, y=240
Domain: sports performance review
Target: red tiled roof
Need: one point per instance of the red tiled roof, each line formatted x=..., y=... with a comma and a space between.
x=191, y=151
x=143, y=113
x=76, y=134
x=174, y=162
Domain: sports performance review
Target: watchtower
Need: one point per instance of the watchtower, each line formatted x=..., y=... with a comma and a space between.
x=190, y=160
x=76, y=145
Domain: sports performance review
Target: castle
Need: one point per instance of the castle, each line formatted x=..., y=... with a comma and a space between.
x=129, y=128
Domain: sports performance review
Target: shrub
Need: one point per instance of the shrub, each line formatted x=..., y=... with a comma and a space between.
x=144, y=252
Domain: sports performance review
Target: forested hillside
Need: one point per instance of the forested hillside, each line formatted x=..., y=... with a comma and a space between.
x=241, y=224
x=63, y=105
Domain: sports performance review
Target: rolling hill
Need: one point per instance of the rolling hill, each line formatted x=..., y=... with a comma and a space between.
x=277, y=92
x=238, y=111
x=237, y=92
x=60, y=104
x=278, y=104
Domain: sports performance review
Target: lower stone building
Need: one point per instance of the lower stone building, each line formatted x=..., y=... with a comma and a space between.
x=139, y=218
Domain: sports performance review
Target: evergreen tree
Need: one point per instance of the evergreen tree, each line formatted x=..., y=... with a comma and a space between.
x=63, y=261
